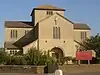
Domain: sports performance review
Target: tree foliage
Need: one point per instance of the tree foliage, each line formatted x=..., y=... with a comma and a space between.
x=36, y=57
x=32, y=57
x=15, y=60
x=92, y=43
x=3, y=57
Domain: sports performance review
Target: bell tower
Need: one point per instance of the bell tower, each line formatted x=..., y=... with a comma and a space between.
x=43, y=11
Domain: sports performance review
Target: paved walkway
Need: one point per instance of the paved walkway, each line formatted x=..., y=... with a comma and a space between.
x=86, y=73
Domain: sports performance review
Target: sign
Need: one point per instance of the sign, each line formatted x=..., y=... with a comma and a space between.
x=83, y=55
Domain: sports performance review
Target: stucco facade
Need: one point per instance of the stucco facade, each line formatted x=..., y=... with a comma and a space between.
x=48, y=30
x=77, y=34
x=37, y=14
x=65, y=27
x=20, y=31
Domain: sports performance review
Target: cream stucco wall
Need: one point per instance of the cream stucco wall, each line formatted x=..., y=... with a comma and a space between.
x=77, y=34
x=20, y=33
x=31, y=45
x=41, y=14
x=46, y=34
x=77, y=37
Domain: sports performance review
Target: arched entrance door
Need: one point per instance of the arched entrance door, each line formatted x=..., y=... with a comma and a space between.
x=57, y=52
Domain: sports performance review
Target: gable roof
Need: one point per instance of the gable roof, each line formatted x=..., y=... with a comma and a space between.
x=26, y=24
x=26, y=39
x=59, y=15
x=81, y=26
x=9, y=45
x=65, y=18
x=18, y=24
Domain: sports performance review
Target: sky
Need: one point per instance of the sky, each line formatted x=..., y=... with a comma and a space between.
x=78, y=11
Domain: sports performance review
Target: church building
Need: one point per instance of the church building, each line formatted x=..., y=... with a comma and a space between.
x=49, y=29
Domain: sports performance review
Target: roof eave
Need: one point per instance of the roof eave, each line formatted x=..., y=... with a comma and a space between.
x=46, y=9
x=16, y=27
x=65, y=18
x=82, y=28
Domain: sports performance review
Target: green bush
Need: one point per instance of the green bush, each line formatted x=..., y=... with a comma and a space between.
x=36, y=57
x=32, y=57
x=3, y=57
x=15, y=60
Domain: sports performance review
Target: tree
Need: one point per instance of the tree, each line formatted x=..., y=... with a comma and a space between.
x=3, y=57
x=15, y=60
x=32, y=56
x=36, y=57
x=92, y=43
x=48, y=59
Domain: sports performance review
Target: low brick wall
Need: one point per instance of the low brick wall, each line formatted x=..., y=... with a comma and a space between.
x=80, y=68
x=21, y=69
x=40, y=69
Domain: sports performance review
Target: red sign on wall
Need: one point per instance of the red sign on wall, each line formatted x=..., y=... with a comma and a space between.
x=83, y=55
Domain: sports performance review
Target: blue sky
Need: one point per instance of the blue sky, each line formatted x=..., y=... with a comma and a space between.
x=84, y=11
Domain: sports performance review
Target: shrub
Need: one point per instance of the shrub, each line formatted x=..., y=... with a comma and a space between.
x=33, y=57
x=36, y=57
x=3, y=57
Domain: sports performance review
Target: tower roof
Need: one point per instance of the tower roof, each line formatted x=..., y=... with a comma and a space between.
x=47, y=7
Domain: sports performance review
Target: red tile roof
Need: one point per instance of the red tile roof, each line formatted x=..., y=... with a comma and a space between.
x=23, y=24
x=18, y=24
x=9, y=45
x=81, y=26
x=47, y=7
